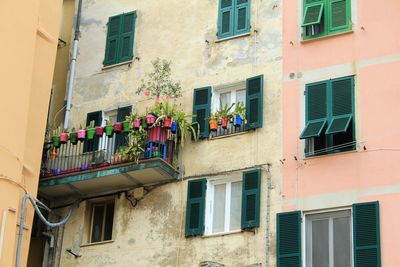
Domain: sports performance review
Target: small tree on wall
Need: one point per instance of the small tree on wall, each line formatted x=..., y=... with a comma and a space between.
x=158, y=83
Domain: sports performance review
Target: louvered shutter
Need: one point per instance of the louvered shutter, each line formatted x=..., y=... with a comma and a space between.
x=366, y=234
x=201, y=109
x=121, y=139
x=251, y=199
x=254, y=102
x=242, y=17
x=288, y=243
x=339, y=14
x=112, y=42
x=195, y=207
x=316, y=110
x=342, y=105
x=93, y=145
x=225, y=18
x=313, y=14
x=127, y=37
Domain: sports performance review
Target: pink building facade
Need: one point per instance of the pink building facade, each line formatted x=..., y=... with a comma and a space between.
x=341, y=154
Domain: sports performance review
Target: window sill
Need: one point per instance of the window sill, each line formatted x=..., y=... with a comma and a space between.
x=232, y=37
x=309, y=40
x=97, y=243
x=329, y=155
x=222, y=233
x=117, y=65
x=227, y=135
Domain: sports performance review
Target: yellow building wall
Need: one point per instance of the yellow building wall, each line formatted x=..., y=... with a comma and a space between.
x=28, y=48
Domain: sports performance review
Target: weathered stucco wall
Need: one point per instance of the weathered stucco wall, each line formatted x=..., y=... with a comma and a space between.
x=152, y=233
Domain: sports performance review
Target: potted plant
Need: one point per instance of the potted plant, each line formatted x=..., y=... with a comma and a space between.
x=73, y=136
x=64, y=136
x=239, y=114
x=109, y=128
x=213, y=121
x=135, y=147
x=91, y=131
x=136, y=121
x=185, y=127
x=81, y=133
x=126, y=124
x=55, y=139
x=99, y=130
x=117, y=127
x=174, y=127
x=150, y=119
x=224, y=114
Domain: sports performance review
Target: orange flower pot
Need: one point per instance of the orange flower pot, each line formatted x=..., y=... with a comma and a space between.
x=213, y=124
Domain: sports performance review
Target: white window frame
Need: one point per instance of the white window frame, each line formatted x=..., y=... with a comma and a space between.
x=104, y=204
x=210, y=201
x=232, y=88
x=322, y=213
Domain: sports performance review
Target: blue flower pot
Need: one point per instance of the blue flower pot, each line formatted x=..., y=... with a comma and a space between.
x=238, y=120
x=174, y=127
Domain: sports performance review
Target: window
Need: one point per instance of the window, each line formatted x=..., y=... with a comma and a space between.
x=328, y=239
x=329, y=117
x=93, y=144
x=325, y=17
x=120, y=38
x=331, y=238
x=250, y=92
x=233, y=18
x=102, y=217
x=223, y=205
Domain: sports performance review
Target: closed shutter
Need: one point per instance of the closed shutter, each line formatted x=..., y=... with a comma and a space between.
x=242, y=16
x=316, y=110
x=121, y=139
x=342, y=105
x=93, y=145
x=366, y=234
x=127, y=37
x=288, y=243
x=112, y=43
x=254, y=102
x=201, y=109
x=225, y=18
x=251, y=199
x=339, y=14
x=195, y=207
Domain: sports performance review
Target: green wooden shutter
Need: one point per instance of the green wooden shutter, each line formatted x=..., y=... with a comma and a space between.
x=313, y=14
x=201, y=109
x=93, y=145
x=112, y=42
x=339, y=15
x=342, y=105
x=195, y=207
x=316, y=110
x=121, y=139
x=225, y=18
x=251, y=190
x=254, y=102
x=242, y=17
x=288, y=243
x=127, y=36
x=366, y=235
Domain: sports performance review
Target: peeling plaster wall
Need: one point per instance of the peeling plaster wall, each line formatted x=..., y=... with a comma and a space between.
x=152, y=233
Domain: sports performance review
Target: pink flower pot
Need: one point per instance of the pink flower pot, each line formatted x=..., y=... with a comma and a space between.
x=81, y=134
x=150, y=119
x=117, y=127
x=63, y=137
x=99, y=130
x=167, y=122
x=136, y=123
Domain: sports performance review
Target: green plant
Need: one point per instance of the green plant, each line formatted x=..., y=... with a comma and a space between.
x=164, y=110
x=56, y=131
x=159, y=82
x=135, y=147
x=109, y=122
x=240, y=110
x=224, y=110
x=91, y=125
x=186, y=127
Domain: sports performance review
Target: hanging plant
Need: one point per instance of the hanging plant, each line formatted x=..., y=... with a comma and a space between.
x=91, y=131
x=109, y=128
x=73, y=136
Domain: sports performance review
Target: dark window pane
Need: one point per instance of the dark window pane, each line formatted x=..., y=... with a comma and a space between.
x=250, y=207
x=97, y=227
x=254, y=86
x=251, y=181
x=201, y=97
x=194, y=215
x=226, y=3
x=253, y=111
x=226, y=21
x=109, y=222
x=241, y=19
x=201, y=118
x=196, y=189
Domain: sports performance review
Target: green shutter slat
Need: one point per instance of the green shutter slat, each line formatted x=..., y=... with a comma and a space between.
x=366, y=234
x=225, y=18
x=113, y=33
x=254, y=102
x=127, y=36
x=339, y=13
x=195, y=207
x=121, y=137
x=313, y=129
x=242, y=17
x=251, y=189
x=288, y=243
x=201, y=109
x=313, y=14
x=97, y=117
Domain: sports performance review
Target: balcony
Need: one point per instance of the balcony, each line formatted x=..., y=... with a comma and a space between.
x=94, y=165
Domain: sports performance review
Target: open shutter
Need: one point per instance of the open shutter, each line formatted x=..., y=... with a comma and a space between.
x=342, y=105
x=316, y=110
x=254, y=102
x=225, y=18
x=251, y=199
x=127, y=37
x=339, y=14
x=313, y=14
x=112, y=43
x=242, y=17
x=93, y=145
x=366, y=235
x=121, y=138
x=195, y=207
x=288, y=243
x=201, y=109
